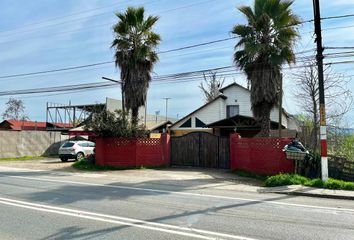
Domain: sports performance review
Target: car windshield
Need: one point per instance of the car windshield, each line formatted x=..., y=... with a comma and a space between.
x=68, y=144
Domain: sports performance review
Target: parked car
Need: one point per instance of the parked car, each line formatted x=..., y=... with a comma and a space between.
x=76, y=150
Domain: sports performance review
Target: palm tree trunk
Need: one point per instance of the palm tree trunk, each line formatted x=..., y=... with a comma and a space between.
x=265, y=121
x=135, y=113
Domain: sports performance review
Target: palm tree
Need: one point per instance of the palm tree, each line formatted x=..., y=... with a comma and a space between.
x=266, y=42
x=135, y=55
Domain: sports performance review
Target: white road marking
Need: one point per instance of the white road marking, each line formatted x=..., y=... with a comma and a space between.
x=154, y=226
x=184, y=193
x=57, y=173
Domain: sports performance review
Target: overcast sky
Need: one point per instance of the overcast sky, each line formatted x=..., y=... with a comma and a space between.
x=41, y=35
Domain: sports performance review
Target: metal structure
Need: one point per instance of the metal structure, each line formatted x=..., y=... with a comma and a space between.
x=63, y=117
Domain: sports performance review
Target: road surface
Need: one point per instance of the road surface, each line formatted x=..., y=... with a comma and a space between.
x=64, y=205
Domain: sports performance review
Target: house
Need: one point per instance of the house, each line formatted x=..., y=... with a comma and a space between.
x=230, y=111
x=23, y=125
x=160, y=127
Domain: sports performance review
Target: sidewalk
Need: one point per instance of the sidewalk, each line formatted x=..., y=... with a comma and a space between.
x=309, y=191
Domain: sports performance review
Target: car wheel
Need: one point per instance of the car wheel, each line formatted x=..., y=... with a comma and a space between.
x=79, y=156
x=64, y=159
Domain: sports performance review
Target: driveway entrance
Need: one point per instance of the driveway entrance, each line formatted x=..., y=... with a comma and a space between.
x=200, y=149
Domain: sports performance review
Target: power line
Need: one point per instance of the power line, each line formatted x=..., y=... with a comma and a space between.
x=59, y=17
x=347, y=47
x=100, y=14
x=90, y=86
x=72, y=20
x=56, y=70
x=178, y=77
x=198, y=45
x=110, y=62
x=339, y=16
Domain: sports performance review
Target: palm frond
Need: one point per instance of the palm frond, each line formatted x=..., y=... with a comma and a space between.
x=135, y=55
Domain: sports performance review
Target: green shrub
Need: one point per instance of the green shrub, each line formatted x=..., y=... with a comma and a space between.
x=284, y=179
x=294, y=179
x=315, y=183
x=113, y=124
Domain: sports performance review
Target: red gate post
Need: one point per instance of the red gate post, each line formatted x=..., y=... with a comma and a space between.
x=166, y=148
x=99, y=151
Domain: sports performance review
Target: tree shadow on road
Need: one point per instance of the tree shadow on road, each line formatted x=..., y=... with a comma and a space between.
x=63, y=191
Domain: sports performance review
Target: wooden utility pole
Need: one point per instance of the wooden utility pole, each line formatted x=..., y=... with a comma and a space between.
x=280, y=104
x=319, y=57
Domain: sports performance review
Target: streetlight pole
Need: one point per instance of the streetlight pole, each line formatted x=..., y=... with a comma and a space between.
x=122, y=90
x=319, y=57
x=166, y=99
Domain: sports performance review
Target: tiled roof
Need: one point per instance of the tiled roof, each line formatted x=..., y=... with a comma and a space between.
x=18, y=123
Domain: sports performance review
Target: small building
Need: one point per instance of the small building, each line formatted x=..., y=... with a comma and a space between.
x=158, y=127
x=230, y=111
x=24, y=125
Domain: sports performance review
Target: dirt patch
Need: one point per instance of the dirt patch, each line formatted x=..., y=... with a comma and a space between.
x=162, y=176
x=49, y=164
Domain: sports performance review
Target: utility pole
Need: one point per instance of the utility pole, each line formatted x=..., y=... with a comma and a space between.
x=156, y=114
x=122, y=90
x=319, y=57
x=166, y=105
x=280, y=104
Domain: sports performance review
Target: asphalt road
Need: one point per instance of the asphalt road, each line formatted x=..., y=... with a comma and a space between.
x=59, y=205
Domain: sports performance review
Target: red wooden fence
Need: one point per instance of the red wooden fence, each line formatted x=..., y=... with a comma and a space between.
x=133, y=152
x=262, y=156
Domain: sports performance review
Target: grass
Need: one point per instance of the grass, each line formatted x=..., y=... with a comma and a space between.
x=294, y=179
x=22, y=158
x=242, y=173
x=89, y=166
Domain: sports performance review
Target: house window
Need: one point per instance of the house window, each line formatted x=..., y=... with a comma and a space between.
x=232, y=110
x=187, y=124
x=199, y=123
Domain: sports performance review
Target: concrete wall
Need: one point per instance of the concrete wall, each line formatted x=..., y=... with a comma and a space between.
x=30, y=143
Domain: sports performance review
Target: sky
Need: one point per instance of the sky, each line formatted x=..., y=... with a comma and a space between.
x=42, y=35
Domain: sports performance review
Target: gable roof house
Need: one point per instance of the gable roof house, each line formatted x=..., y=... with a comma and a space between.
x=230, y=111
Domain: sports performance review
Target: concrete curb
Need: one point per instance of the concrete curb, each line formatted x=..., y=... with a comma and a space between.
x=300, y=190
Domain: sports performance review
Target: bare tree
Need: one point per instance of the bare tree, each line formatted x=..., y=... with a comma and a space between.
x=15, y=109
x=213, y=84
x=338, y=98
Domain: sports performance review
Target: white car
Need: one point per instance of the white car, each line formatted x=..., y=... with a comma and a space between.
x=76, y=150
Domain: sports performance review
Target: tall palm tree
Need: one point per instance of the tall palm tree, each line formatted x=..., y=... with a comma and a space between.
x=135, y=54
x=266, y=42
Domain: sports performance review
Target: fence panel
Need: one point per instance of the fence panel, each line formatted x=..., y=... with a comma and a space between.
x=259, y=155
x=341, y=168
x=133, y=152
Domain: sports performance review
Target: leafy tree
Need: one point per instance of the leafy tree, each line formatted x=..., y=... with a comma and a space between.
x=211, y=89
x=339, y=99
x=113, y=124
x=135, y=54
x=266, y=42
x=15, y=110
